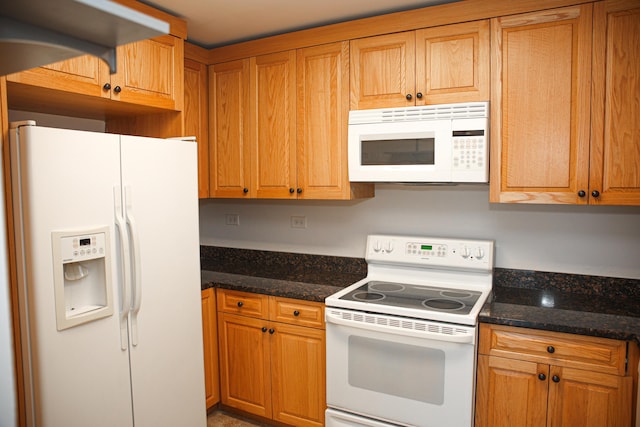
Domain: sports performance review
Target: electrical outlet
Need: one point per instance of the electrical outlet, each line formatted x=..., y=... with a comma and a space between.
x=232, y=219
x=298, y=222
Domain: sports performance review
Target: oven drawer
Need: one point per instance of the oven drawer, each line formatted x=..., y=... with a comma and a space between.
x=245, y=303
x=297, y=312
x=576, y=351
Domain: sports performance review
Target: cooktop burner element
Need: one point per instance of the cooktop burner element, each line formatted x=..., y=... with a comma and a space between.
x=430, y=278
x=414, y=296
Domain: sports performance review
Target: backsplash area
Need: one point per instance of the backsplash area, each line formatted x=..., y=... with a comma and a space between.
x=588, y=240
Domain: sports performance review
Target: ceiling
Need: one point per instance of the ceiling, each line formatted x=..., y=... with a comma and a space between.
x=213, y=23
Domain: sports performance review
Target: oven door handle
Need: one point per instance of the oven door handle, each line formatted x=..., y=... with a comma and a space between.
x=407, y=328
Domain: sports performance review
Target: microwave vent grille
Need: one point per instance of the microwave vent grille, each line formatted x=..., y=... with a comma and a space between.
x=466, y=110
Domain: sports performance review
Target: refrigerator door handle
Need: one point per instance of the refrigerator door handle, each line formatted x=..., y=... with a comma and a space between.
x=126, y=266
x=137, y=270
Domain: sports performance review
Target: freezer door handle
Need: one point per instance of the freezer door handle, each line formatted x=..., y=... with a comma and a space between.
x=126, y=266
x=137, y=270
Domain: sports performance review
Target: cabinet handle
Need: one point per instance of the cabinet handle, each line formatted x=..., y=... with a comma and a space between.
x=117, y=89
x=581, y=193
x=550, y=349
x=409, y=97
x=296, y=313
x=542, y=377
x=595, y=193
x=419, y=95
x=106, y=87
x=245, y=190
x=291, y=190
x=555, y=378
x=240, y=304
x=271, y=331
x=264, y=329
x=299, y=190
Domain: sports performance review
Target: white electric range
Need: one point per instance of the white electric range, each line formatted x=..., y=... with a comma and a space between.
x=401, y=342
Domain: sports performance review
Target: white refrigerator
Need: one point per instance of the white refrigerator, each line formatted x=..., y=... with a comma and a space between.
x=109, y=278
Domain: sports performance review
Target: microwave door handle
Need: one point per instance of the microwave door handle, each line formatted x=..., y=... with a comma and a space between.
x=460, y=339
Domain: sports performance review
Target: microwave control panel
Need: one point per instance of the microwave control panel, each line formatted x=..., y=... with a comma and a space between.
x=469, y=149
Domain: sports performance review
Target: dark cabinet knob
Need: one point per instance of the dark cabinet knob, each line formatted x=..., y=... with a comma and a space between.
x=264, y=329
x=296, y=313
x=581, y=193
x=240, y=303
x=299, y=190
x=245, y=190
x=555, y=378
x=291, y=190
x=117, y=89
x=409, y=97
x=542, y=377
x=595, y=193
x=107, y=86
x=550, y=349
x=419, y=95
x=271, y=331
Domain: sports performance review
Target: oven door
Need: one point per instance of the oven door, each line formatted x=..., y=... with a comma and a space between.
x=400, y=370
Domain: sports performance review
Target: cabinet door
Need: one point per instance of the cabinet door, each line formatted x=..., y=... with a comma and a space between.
x=615, y=153
x=245, y=377
x=210, y=340
x=230, y=149
x=298, y=370
x=589, y=399
x=196, y=116
x=150, y=72
x=540, y=106
x=273, y=125
x=383, y=71
x=84, y=75
x=323, y=113
x=452, y=63
x=498, y=381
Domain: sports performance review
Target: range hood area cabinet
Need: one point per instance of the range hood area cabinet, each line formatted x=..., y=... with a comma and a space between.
x=565, y=119
x=278, y=126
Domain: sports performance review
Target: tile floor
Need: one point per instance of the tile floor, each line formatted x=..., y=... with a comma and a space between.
x=220, y=418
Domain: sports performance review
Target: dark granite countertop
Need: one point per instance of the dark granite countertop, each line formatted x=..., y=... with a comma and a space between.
x=587, y=305
x=572, y=303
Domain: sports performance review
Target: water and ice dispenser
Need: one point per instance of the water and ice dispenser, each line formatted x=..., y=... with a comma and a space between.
x=82, y=276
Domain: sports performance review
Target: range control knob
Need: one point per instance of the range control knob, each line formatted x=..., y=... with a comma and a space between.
x=465, y=252
x=389, y=247
x=376, y=246
x=479, y=253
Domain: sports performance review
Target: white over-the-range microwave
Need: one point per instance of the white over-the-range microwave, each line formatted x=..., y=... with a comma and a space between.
x=446, y=143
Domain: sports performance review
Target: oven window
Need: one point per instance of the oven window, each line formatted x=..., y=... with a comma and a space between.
x=402, y=370
x=415, y=151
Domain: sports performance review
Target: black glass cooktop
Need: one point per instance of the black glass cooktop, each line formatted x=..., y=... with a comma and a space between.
x=415, y=296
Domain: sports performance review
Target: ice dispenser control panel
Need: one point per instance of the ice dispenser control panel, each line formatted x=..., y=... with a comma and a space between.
x=82, y=248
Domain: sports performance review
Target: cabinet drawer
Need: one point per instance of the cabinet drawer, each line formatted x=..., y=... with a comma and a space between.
x=576, y=351
x=297, y=312
x=245, y=303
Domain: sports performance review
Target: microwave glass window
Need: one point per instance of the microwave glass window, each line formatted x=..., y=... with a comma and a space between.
x=391, y=152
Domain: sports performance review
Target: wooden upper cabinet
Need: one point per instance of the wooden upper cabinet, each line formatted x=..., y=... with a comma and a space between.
x=615, y=144
x=150, y=73
x=196, y=110
x=273, y=125
x=452, y=63
x=229, y=130
x=323, y=113
x=435, y=65
x=540, y=106
x=383, y=71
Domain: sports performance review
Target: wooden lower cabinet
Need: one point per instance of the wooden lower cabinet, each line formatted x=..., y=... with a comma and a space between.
x=538, y=378
x=210, y=346
x=272, y=357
